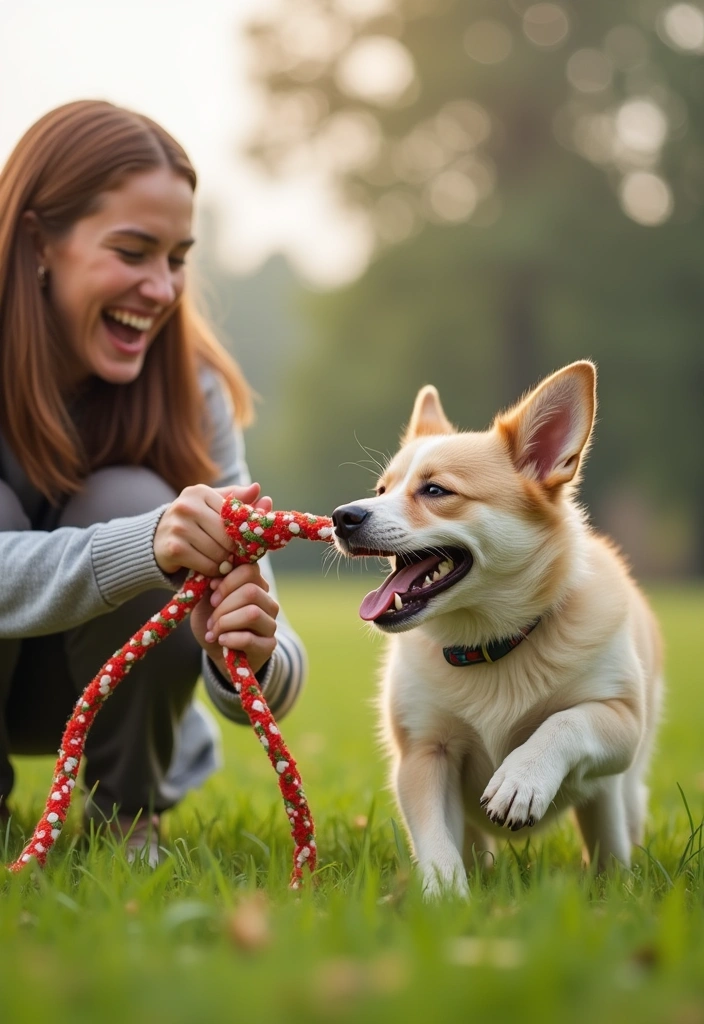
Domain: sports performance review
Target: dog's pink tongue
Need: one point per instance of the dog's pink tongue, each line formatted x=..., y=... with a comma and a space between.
x=379, y=601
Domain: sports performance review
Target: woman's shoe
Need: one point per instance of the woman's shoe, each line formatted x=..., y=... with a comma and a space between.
x=141, y=837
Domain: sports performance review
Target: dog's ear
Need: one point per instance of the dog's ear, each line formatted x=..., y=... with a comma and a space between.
x=548, y=431
x=427, y=417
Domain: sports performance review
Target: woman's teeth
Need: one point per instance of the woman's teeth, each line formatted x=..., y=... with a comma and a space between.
x=139, y=323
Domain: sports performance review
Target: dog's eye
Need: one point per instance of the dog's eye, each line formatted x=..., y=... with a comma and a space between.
x=435, y=491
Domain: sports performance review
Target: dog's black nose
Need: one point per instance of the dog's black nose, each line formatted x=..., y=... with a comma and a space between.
x=347, y=519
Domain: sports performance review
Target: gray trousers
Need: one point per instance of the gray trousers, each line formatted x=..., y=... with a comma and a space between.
x=131, y=744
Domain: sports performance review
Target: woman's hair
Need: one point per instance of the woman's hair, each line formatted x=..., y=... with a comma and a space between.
x=58, y=171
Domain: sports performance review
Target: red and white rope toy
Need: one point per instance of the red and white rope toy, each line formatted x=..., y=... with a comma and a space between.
x=253, y=533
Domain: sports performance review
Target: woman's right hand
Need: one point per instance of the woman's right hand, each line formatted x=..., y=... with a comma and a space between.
x=191, y=534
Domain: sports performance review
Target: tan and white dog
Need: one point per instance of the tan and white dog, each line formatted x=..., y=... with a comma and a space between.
x=523, y=673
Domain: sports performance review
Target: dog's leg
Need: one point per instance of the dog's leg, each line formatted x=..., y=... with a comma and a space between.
x=427, y=782
x=590, y=740
x=635, y=790
x=604, y=825
x=635, y=794
x=479, y=847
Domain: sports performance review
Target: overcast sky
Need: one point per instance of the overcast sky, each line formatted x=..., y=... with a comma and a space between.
x=183, y=63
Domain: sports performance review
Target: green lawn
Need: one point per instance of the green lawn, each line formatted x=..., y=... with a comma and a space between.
x=215, y=934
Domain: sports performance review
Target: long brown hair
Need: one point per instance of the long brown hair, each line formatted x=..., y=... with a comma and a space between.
x=58, y=170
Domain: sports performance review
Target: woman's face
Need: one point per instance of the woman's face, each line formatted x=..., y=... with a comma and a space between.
x=117, y=276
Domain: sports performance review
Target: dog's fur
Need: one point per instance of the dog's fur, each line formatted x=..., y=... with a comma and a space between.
x=567, y=718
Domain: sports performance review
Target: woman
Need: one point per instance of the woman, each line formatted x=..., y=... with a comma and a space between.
x=120, y=421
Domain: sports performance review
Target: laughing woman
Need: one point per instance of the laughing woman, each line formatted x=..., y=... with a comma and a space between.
x=120, y=432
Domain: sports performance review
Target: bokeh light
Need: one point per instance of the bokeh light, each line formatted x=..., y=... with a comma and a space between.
x=378, y=69
x=589, y=71
x=641, y=126
x=646, y=198
x=350, y=139
x=462, y=124
x=488, y=41
x=546, y=25
x=453, y=196
x=682, y=26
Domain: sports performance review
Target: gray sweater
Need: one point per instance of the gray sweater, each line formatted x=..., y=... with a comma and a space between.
x=52, y=581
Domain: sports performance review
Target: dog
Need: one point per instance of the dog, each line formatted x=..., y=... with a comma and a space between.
x=523, y=670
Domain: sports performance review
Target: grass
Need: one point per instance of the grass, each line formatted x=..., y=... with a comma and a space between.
x=214, y=932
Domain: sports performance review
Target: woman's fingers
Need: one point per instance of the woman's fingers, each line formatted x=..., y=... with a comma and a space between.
x=236, y=578
x=249, y=619
x=244, y=620
x=191, y=533
x=249, y=495
x=247, y=607
x=256, y=649
x=197, y=543
x=240, y=614
x=241, y=604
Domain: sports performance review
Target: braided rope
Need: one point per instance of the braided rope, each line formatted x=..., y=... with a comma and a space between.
x=253, y=533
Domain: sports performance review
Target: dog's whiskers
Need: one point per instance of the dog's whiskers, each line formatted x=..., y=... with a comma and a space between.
x=381, y=466
x=373, y=469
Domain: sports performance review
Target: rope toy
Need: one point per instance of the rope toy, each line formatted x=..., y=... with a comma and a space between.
x=253, y=533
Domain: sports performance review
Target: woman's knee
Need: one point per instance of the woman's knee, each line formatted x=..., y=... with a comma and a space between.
x=114, y=492
x=12, y=515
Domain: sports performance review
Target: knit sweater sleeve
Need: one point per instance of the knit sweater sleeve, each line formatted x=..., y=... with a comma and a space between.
x=54, y=581
x=283, y=676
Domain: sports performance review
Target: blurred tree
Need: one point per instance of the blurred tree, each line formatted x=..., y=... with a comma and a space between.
x=257, y=316
x=532, y=179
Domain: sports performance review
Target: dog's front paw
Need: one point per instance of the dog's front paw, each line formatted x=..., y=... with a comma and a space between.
x=437, y=883
x=443, y=874
x=517, y=795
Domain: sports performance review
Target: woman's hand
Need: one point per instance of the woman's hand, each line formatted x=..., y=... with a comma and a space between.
x=191, y=534
x=239, y=614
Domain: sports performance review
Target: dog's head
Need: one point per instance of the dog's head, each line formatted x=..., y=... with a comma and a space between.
x=477, y=521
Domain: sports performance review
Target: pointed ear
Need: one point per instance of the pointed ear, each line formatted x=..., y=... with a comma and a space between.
x=428, y=416
x=548, y=431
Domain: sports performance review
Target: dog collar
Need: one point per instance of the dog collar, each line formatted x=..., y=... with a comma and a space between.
x=461, y=657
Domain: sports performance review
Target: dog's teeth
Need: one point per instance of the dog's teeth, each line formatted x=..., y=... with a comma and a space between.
x=398, y=603
x=437, y=576
x=427, y=581
x=444, y=568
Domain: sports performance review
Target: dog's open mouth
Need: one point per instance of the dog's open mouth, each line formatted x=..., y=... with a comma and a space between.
x=418, y=577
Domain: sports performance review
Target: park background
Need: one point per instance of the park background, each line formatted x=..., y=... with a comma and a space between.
x=394, y=193
x=397, y=192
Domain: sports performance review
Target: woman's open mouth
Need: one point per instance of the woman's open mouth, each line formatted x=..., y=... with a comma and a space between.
x=127, y=330
x=418, y=577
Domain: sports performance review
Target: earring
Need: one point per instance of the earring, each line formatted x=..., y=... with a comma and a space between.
x=41, y=274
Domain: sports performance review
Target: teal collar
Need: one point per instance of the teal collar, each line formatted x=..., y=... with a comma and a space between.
x=461, y=657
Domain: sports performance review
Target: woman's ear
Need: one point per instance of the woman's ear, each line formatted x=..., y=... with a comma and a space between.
x=34, y=230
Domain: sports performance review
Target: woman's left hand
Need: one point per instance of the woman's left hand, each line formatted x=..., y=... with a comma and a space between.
x=238, y=613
